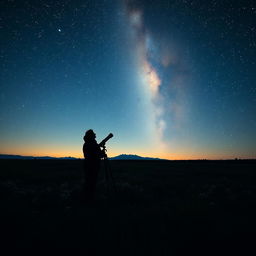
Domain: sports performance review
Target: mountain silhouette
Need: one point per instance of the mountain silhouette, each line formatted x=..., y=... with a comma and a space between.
x=4, y=156
x=133, y=157
x=119, y=157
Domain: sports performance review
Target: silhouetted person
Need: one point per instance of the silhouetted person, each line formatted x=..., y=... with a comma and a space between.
x=92, y=156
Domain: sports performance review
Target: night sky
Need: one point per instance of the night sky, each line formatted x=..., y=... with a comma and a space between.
x=170, y=79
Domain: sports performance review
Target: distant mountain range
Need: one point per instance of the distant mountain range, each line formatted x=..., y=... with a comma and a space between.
x=133, y=157
x=120, y=157
x=2, y=156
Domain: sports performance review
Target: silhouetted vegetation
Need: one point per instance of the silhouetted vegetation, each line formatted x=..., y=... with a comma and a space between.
x=161, y=207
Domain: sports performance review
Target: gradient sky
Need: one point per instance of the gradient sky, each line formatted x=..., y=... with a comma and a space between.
x=171, y=79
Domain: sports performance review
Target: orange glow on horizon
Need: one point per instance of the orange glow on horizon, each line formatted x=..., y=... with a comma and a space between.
x=167, y=156
x=75, y=150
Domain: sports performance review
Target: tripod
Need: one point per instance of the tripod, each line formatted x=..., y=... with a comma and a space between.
x=108, y=172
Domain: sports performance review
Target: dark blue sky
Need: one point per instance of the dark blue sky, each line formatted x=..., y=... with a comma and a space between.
x=173, y=79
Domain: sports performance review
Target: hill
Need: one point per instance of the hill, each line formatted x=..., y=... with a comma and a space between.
x=133, y=157
x=119, y=157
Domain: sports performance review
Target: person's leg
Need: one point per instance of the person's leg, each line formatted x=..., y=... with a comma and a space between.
x=91, y=176
x=88, y=171
x=94, y=177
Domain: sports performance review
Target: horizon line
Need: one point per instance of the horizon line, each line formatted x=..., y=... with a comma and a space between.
x=157, y=158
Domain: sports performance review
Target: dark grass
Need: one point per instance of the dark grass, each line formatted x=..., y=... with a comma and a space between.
x=160, y=208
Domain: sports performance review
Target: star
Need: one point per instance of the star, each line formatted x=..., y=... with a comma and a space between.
x=59, y=30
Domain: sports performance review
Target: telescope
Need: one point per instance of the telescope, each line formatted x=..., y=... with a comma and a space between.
x=102, y=143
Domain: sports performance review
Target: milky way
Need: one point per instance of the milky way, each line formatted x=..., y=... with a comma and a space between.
x=155, y=57
x=185, y=48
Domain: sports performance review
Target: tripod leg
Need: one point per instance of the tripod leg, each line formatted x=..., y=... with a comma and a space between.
x=106, y=171
x=107, y=176
x=111, y=178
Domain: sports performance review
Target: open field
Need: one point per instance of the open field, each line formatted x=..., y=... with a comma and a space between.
x=160, y=207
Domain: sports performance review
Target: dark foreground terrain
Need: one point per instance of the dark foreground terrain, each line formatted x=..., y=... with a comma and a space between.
x=160, y=208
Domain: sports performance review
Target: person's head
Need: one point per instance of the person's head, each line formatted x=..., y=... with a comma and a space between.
x=89, y=135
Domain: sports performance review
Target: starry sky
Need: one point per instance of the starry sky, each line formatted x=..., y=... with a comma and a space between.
x=170, y=79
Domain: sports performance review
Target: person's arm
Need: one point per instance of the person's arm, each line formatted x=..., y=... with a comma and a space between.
x=92, y=150
x=100, y=152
